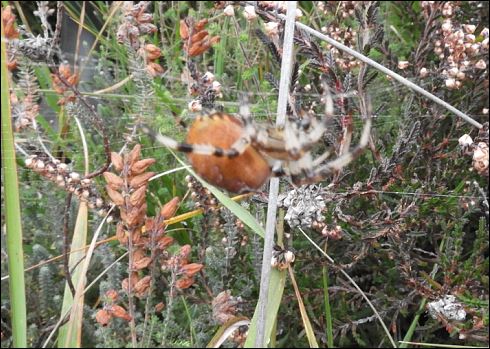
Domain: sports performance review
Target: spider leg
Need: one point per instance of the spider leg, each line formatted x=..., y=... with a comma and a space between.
x=322, y=172
x=262, y=138
x=319, y=160
x=248, y=123
x=201, y=149
x=277, y=170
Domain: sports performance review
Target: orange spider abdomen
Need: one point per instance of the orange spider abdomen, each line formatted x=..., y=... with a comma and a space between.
x=245, y=172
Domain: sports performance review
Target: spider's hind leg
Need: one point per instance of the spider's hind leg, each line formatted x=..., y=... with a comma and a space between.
x=202, y=149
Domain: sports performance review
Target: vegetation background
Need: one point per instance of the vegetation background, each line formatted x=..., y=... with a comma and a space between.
x=407, y=221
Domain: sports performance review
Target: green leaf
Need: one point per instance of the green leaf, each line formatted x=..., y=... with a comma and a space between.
x=12, y=215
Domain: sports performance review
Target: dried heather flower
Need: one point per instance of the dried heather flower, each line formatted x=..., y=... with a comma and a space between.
x=195, y=106
x=272, y=29
x=305, y=205
x=403, y=64
x=191, y=269
x=224, y=306
x=119, y=312
x=229, y=11
x=480, y=158
x=465, y=140
x=447, y=307
x=249, y=12
x=103, y=317
x=481, y=64
x=168, y=210
x=184, y=282
x=112, y=295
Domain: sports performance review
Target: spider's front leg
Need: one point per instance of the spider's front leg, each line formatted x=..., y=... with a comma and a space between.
x=304, y=174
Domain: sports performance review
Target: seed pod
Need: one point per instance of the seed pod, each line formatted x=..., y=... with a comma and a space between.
x=141, y=263
x=121, y=235
x=199, y=36
x=159, y=307
x=201, y=24
x=142, y=286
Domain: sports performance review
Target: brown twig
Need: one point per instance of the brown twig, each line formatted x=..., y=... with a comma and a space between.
x=98, y=124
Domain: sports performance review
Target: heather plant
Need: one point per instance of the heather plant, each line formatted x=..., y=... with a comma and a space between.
x=125, y=244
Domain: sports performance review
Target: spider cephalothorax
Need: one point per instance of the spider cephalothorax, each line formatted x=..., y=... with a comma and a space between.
x=240, y=156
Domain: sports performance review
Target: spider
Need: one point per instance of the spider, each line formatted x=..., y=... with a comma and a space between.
x=239, y=155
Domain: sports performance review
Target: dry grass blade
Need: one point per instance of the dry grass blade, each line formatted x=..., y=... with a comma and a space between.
x=70, y=334
x=310, y=334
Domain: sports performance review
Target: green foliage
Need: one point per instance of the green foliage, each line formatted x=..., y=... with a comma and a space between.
x=411, y=213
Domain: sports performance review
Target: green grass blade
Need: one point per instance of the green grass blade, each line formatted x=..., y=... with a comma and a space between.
x=12, y=215
x=276, y=289
x=328, y=311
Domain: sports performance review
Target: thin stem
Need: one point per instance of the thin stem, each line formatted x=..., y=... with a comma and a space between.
x=387, y=71
x=286, y=67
